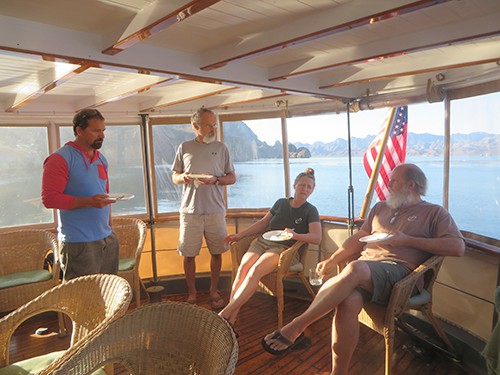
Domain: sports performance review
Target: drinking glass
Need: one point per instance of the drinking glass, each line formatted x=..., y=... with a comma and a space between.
x=314, y=277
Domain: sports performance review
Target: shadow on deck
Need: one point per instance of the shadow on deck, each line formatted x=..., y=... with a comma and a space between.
x=258, y=318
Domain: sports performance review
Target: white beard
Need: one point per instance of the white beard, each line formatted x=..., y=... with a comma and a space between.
x=209, y=138
x=399, y=199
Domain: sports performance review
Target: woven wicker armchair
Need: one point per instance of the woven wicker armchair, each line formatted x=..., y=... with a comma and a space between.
x=22, y=255
x=174, y=338
x=131, y=235
x=273, y=283
x=381, y=318
x=91, y=302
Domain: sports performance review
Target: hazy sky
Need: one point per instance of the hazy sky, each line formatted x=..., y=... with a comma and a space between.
x=468, y=115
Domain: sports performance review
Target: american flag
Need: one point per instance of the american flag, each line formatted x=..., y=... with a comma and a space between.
x=395, y=151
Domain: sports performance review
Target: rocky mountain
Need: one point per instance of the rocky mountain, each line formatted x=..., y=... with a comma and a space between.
x=242, y=142
x=244, y=145
x=474, y=144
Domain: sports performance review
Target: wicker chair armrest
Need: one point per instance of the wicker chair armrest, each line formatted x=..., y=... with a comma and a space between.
x=402, y=290
x=142, y=227
x=287, y=256
x=240, y=247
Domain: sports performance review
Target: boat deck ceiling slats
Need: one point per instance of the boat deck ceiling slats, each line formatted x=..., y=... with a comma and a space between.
x=168, y=58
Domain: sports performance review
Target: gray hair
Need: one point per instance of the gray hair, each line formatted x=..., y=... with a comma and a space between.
x=81, y=119
x=196, y=117
x=415, y=174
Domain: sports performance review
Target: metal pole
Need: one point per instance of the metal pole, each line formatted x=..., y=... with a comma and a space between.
x=447, y=146
x=149, y=190
x=350, y=189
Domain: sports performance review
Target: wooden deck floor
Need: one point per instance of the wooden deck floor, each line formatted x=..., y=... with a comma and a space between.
x=257, y=319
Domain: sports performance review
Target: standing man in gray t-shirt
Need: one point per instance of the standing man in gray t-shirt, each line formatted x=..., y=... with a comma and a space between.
x=203, y=209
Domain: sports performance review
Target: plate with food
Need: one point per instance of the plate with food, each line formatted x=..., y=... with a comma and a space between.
x=376, y=237
x=197, y=176
x=277, y=235
x=121, y=196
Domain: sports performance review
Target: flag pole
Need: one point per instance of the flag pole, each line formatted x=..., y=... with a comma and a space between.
x=376, y=170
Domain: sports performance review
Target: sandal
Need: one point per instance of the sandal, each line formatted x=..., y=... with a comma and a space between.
x=301, y=342
x=217, y=302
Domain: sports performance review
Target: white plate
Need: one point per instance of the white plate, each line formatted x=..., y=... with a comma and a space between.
x=199, y=175
x=120, y=196
x=375, y=237
x=277, y=235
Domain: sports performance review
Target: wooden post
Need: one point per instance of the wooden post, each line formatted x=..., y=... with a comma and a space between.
x=376, y=170
x=286, y=154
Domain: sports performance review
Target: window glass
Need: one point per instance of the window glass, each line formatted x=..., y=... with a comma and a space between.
x=166, y=140
x=475, y=164
x=122, y=149
x=256, y=150
x=22, y=150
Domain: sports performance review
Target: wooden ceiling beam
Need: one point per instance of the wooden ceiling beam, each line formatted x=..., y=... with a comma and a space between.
x=412, y=72
x=412, y=45
x=187, y=99
x=129, y=93
x=48, y=86
x=178, y=15
x=248, y=101
x=345, y=20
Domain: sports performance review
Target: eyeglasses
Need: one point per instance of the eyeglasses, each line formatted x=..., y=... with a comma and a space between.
x=394, y=217
x=211, y=126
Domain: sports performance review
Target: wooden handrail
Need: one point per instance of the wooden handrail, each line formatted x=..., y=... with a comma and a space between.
x=482, y=246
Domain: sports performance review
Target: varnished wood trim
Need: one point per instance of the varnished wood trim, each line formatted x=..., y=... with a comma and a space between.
x=160, y=25
x=412, y=72
x=188, y=99
x=128, y=93
x=48, y=87
x=482, y=246
x=188, y=77
x=229, y=104
x=366, y=20
x=387, y=55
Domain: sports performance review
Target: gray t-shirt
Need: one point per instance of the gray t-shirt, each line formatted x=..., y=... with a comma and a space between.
x=213, y=159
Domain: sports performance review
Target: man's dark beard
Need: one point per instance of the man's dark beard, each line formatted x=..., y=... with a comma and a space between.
x=97, y=144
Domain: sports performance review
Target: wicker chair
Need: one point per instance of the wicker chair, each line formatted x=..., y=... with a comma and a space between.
x=91, y=302
x=161, y=338
x=22, y=276
x=131, y=235
x=273, y=283
x=382, y=318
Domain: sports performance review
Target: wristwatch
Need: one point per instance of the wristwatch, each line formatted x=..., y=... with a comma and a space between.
x=218, y=181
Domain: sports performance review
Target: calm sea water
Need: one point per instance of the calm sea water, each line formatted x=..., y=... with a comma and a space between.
x=474, y=187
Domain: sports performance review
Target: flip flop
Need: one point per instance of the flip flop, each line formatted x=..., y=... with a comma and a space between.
x=301, y=341
x=217, y=303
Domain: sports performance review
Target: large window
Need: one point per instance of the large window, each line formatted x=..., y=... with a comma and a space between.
x=166, y=139
x=257, y=154
x=475, y=164
x=122, y=149
x=22, y=150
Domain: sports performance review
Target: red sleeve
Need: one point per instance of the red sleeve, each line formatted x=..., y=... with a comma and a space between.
x=54, y=180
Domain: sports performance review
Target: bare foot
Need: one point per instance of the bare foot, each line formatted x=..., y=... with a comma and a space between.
x=191, y=299
x=278, y=344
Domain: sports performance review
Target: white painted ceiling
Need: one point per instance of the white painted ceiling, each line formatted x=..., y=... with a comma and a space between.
x=240, y=56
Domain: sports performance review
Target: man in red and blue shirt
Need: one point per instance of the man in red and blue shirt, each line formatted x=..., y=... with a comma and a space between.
x=75, y=182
